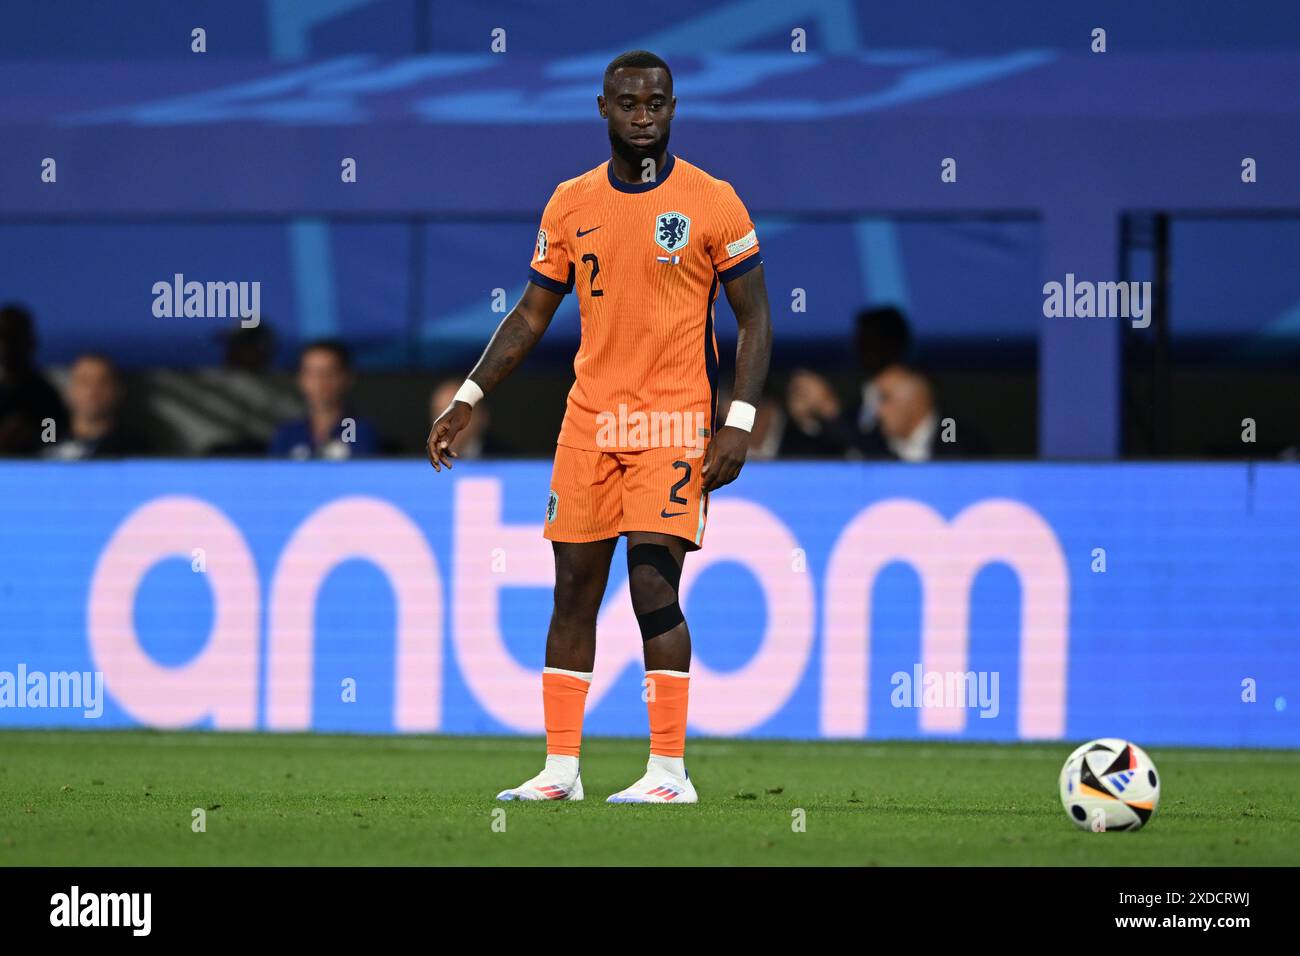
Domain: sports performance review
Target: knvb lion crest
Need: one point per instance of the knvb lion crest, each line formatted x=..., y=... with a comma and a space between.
x=672, y=230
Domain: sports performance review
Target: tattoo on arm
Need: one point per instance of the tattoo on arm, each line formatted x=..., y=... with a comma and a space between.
x=515, y=337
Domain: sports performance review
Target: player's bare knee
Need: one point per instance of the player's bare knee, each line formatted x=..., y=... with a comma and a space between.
x=576, y=599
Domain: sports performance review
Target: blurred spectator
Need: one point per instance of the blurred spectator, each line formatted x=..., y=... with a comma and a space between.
x=910, y=427
x=474, y=441
x=251, y=349
x=818, y=425
x=94, y=431
x=908, y=420
x=815, y=425
x=243, y=399
x=331, y=429
x=882, y=338
x=28, y=403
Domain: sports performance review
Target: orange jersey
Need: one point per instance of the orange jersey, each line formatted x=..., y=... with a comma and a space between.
x=646, y=259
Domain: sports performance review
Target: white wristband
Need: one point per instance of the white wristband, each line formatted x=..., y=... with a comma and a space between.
x=741, y=415
x=469, y=393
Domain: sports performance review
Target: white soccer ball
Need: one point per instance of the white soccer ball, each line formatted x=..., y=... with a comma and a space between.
x=1109, y=784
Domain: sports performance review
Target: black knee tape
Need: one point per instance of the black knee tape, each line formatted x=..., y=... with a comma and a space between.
x=658, y=557
x=654, y=623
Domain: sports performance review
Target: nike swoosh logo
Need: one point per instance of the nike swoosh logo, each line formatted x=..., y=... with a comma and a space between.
x=675, y=514
x=588, y=232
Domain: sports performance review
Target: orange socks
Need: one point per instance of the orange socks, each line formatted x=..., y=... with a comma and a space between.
x=666, y=700
x=564, y=700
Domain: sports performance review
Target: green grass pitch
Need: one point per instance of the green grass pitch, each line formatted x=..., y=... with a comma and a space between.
x=127, y=797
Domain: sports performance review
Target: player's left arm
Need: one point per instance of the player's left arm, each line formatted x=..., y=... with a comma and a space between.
x=747, y=294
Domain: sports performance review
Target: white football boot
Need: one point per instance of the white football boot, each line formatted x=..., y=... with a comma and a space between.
x=559, y=780
x=665, y=781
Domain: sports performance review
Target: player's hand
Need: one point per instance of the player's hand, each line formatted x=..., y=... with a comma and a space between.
x=444, y=431
x=725, y=457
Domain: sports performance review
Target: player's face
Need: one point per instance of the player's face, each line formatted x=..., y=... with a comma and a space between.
x=638, y=104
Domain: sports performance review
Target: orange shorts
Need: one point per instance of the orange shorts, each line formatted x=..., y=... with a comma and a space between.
x=602, y=494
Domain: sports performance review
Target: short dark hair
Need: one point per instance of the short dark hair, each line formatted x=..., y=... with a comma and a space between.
x=335, y=347
x=17, y=328
x=637, y=60
x=883, y=337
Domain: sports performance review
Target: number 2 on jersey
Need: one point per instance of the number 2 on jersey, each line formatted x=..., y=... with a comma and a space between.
x=595, y=271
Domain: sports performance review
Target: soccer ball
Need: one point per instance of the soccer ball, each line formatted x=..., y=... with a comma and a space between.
x=1109, y=784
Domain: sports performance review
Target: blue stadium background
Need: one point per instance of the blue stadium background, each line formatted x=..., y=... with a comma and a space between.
x=225, y=165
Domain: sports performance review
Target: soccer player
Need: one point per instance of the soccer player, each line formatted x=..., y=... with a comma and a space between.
x=646, y=239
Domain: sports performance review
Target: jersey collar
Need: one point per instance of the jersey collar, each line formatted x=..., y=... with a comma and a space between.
x=640, y=187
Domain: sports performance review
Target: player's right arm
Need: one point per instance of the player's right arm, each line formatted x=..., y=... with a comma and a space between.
x=514, y=338
x=550, y=277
